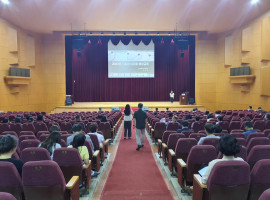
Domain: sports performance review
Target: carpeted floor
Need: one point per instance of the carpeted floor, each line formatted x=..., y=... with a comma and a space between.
x=135, y=175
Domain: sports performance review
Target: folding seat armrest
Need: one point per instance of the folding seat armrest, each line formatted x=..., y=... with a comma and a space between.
x=96, y=160
x=159, y=146
x=152, y=129
x=159, y=141
x=72, y=188
x=96, y=153
x=198, y=187
x=164, y=146
x=106, y=145
x=171, y=152
x=181, y=165
x=87, y=171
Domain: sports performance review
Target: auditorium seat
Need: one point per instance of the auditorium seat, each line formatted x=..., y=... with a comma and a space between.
x=259, y=124
x=17, y=127
x=238, y=135
x=257, y=141
x=234, y=125
x=41, y=126
x=44, y=180
x=29, y=143
x=35, y=154
x=10, y=133
x=197, y=126
x=267, y=124
x=4, y=127
x=6, y=196
x=181, y=151
x=65, y=136
x=28, y=127
x=265, y=195
x=171, y=144
x=227, y=180
x=253, y=135
x=260, y=179
x=257, y=153
x=211, y=141
x=187, y=133
x=199, y=156
x=27, y=133
x=158, y=130
x=224, y=125
x=172, y=126
x=164, y=140
x=71, y=165
x=106, y=130
x=26, y=137
x=11, y=180
x=242, y=154
x=43, y=137
x=39, y=133
x=266, y=132
x=241, y=141
x=237, y=131
x=98, y=147
x=65, y=126
x=197, y=136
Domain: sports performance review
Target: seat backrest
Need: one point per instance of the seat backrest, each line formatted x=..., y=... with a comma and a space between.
x=28, y=127
x=257, y=141
x=231, y=178
x=16, y=127
x=257, y=153
x=39, y=133
x=197, y=136
x=43, y=137
x=183, y=147
x=253, y=135
x=65, y=136
x=166, y=135
x=265, y=195
x=197, y=126
x=65, y=126
x=4, y=127
x=41, y=126
x=237, y=135
x=224, y=125
x=10, y=132
x=173, y=138
x=187, y=133
x=34, y=154
x=266, y=132
x=106, y=129
x=211, y=141
x=259, y=124
x=29, y=143
x=69, y=161
x=43, y=178
x=27, y=133
x=242, y=154
x=10, y=180
x=159, y=128
x=260, y=178
x=234, y=125
x=6, y=196
x=26, y=137
x=241, y=141
x=173, y=126
x=199, y=155
x=95, y=141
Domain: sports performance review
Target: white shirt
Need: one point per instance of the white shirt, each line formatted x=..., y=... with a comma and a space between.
x=99, y=136
x=55, y=146
x=213, y=162
x=128, y=117
x=172, y=95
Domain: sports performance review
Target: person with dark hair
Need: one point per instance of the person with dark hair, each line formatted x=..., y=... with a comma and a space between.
x=78, y=143
x=104, y=118
x=78, y=118
x=209, y=117
x=184, y=127
x=209, y=129
x=30, y=120
x=156, y=109
x=100, y=110
x=250, y=108
x=52, y=143
x=54, y=128
x=171, y=96
x=197, y=119
x=8, y=146
x=18, y=120
x=188, y=116
x=155, y=113
x=229, y=147
x=174, y=120
x=218, y=129
x=248, y=128
x=99, y=116
x=170, y=115
x=40, y=118
x=77, y=129
x=92, y=129
x=28, y=116
x=127, y=121
x=219, y=119
x=5, y=120
x=139, y=121
x=206, y=113
x=267, y=117
x=167, y=109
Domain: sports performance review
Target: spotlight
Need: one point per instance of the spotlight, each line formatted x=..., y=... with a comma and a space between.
x=157, y=33
x=113, y=33
x=5, y=1
x=254, y=1
x=125, y=33
x=101, y=33
x=146, y=34
x=169, y=34
x=136, y=33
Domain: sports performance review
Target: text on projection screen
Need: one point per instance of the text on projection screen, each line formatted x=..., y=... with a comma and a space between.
x=131, y=61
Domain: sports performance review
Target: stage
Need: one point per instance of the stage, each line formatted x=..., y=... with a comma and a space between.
x=107, y=106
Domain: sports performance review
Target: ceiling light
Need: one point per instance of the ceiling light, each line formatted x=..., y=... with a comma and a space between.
x=5, y=1
x=254, y=1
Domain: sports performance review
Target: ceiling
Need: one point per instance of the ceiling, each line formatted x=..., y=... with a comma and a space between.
x=213, y=16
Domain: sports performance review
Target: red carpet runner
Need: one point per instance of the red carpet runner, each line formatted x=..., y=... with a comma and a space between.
x=134, y=174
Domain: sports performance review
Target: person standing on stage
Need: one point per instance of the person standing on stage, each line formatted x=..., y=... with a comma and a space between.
x=171, y=96
x=127, y=121
x=139, y=121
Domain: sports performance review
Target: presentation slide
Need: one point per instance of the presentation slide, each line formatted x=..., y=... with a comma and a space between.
x=131, y=61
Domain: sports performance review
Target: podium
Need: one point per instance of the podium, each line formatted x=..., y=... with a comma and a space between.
x=183, y=98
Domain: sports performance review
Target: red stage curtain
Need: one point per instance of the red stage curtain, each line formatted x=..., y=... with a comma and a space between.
x=87, y=75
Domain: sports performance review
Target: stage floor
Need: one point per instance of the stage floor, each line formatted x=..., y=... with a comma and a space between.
x=93, y=106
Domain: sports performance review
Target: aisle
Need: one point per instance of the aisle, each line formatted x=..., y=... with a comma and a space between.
x=134, y=174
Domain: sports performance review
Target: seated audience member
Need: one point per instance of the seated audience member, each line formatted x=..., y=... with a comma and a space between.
x=206, y=113
x=77, y=129
x=162, y=120
x=250, y=108
x=156, y=109
x=195, y=110
x=184, y=127
x=54, y=128
x=229, y=147
x=170, y=115
x=92, y=129
x=8, y=145
x=167, y=110
x=155, y=113
x=197, y=119
x=78, y=143
x=174, y=119
x=209, y=117
x=248, y=128
x=99, y=116
x=40, y=118
x=217, y=113
x=52, y=142
x=209, y=129
x=28, y=116
x=267, y=117
x=78, y=118
x=104, y=118
x=5, y=120
x=219, y=119
x=18, y=120
x=100, y=110
x=218, y=129
x=188, y=116
x=31, y=120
